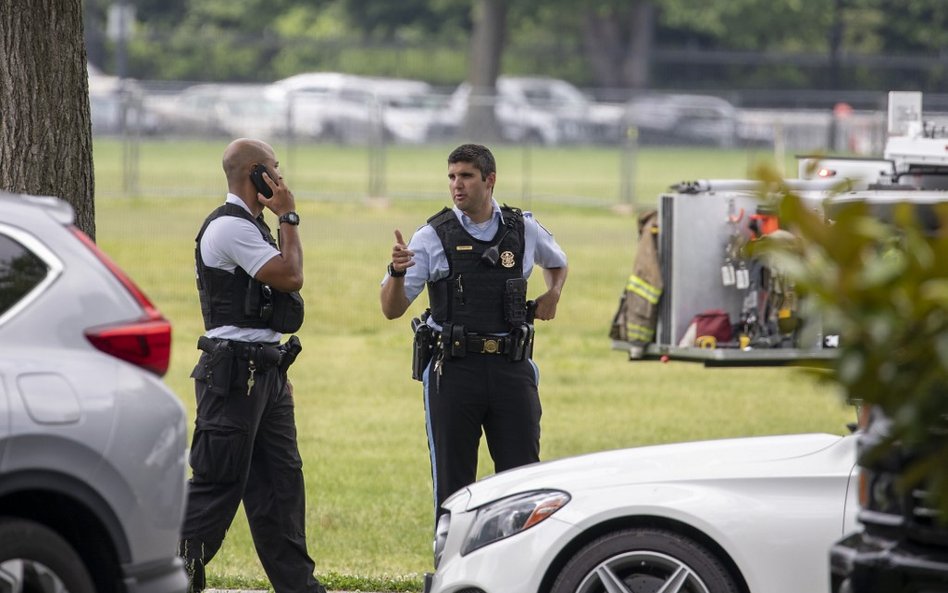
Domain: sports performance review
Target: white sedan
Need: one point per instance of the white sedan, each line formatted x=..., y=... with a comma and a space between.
x=728, y=516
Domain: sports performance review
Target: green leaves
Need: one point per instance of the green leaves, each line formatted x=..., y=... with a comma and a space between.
x=877, y=274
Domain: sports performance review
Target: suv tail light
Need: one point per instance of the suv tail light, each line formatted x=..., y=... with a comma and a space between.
x=144, y=342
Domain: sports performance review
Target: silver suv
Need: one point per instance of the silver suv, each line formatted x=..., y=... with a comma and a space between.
x=350, y=109
x=92, y=443
x=537, y=110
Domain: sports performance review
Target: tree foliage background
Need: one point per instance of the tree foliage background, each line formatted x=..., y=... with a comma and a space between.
x=594, y=43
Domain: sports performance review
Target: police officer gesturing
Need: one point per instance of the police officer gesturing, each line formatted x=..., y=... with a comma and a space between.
x=475, y=260
x=244, y=446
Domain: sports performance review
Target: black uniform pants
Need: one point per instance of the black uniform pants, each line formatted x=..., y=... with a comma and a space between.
x=244, y=449
x=475, y=391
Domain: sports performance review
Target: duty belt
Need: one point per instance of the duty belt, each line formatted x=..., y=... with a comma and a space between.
x=453, y=342
x=488, y=344
x=265, y=353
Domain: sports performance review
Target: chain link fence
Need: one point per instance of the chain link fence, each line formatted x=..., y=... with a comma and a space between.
x=375, y=122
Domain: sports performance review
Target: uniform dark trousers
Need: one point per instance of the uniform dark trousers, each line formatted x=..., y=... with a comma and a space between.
x=480, y=390
x=244, y=448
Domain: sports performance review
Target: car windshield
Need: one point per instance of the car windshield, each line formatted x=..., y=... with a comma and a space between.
x=545, y=95
x=251, y=106
x=408, y=101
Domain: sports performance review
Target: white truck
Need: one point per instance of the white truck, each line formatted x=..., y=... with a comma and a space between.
x=703, y=225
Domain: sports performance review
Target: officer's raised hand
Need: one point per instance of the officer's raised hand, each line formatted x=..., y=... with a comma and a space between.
x=393, y=297
x=401, y=255
x=285, y=271
x=281, y=200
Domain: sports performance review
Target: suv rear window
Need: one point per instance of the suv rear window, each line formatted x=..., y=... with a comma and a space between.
x=20, y=272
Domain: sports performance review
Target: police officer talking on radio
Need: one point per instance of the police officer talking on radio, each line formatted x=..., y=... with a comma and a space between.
x=244, y=447
x=473, y=346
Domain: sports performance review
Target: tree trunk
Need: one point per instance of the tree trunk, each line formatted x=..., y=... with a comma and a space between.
x=603, y=46
x=487, y=47
x=45, y=129
x=638, y=60
x=618, y=44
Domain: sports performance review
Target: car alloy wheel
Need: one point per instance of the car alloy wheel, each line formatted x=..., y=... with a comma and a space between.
x=644, y=561
x=35, y=559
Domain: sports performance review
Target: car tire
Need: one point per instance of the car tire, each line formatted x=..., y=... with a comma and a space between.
x=644, y=561
x=35, y=559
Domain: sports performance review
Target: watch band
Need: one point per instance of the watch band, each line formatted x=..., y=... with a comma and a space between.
x=393, y=272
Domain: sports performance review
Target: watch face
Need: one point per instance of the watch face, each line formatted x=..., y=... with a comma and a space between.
x=290, y=217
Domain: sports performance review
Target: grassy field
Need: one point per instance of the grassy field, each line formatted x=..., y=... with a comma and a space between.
x=360, y=416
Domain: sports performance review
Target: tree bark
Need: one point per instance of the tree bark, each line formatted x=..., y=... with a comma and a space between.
x=45, y=128
x=487, y=47
x=639, y=57
x=618, y=44
x=603, y=46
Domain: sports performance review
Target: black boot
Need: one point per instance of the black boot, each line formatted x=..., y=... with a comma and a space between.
x=193, y=554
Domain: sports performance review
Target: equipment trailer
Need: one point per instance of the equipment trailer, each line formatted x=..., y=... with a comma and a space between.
x=714, y=304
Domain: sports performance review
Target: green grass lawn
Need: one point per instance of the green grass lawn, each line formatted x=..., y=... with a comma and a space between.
x=359, y=414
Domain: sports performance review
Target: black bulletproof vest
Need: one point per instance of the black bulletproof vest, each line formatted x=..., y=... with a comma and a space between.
x=472, y=295
x=232, y=298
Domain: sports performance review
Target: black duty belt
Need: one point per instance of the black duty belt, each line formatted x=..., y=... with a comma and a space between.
x=266, y=354
x=488, y=344
x=260, y=355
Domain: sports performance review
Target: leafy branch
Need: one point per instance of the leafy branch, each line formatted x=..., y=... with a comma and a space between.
x=878, y=277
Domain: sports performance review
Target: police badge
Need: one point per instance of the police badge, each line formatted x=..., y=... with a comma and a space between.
x=507, y=259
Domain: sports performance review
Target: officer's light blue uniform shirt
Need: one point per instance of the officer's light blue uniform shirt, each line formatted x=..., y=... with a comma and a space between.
x=431, y=263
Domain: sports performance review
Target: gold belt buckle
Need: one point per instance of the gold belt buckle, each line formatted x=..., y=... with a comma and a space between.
x=491, y=346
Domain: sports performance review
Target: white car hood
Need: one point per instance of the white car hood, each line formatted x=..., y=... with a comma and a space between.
x=740, y=458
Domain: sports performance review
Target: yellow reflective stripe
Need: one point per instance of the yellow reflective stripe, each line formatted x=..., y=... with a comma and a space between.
x=639, y=332
x=643, y=289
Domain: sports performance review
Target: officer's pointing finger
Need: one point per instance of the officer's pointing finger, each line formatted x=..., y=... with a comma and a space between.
x=398, y=238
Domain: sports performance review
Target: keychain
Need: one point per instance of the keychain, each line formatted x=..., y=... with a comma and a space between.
x=251, y=380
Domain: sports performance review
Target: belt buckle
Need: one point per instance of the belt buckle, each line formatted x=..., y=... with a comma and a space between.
x=490, y=346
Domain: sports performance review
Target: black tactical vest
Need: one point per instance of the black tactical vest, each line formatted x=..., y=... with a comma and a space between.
x=483, y=275
x=238, y=299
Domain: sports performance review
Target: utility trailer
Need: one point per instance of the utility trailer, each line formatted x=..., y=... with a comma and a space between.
x=703, y=225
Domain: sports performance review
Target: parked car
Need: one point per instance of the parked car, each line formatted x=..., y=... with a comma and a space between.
x=736, y=515
x=685, y=119
x=354, y=109
x=538, y=110
x=92, y=443
x=118, y=106
x=226, y=110
x=408, y=108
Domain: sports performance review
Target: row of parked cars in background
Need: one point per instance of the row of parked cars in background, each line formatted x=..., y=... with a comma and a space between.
x=351, y=109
